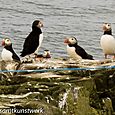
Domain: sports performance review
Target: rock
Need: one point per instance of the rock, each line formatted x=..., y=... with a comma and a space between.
x=59, y=86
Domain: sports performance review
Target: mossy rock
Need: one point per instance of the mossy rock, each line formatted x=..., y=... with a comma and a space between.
x=42, y=108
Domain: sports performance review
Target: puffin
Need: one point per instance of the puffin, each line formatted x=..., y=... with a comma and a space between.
x=75, y=51
x=107, y=41
x=46, y=55
x=8, y=54
x=33, y=41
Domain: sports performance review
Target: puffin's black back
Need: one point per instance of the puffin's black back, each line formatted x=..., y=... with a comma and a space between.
x=81, y=52
x=32, y=41
x=14, y=56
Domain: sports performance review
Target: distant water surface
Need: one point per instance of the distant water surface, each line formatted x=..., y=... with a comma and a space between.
x=80, y=18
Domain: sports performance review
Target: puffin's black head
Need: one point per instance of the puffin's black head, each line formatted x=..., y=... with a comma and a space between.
x=107, y=28
x=6, y=42
x=70, y=41
x=37, y=24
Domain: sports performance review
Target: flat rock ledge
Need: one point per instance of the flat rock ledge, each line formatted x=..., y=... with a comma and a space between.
x=58, y=87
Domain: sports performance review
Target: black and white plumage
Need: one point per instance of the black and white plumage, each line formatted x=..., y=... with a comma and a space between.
x=33, y=40
x=8, y=54
x=107, y=41
x=75, y=51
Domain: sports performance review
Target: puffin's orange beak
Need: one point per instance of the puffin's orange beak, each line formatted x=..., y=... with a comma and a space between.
x=66, y=41
x=104, y=27
x=3, y=42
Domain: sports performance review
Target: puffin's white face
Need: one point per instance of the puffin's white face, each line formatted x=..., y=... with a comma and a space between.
x=106, y=27
x=40, y=24
x=6, y=42
x=46, y=52
x=71, y=40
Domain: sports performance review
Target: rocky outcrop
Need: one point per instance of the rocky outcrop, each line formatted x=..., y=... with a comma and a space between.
x=58, y=87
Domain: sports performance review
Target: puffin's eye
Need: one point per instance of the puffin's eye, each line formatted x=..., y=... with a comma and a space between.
x=7, y=40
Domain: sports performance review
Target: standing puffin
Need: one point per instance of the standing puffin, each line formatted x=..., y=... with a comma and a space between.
x=33, y=40
x=75, y=51
x=8, y=54
x=107, y=41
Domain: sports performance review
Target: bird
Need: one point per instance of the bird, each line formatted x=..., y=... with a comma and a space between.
x=8, y=54
x=107, y=41
x=46, y=55
x=33, y=41
x=75, y=51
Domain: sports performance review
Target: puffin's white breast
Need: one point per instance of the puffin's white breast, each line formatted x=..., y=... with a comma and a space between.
x=71, y=52
x=40, y=42
x=108, y=44
x=6, y=55
x=41, y=39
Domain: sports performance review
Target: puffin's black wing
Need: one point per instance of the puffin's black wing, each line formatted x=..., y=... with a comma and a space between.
x=81, y=52
x=15, y=57
x=31, y=43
